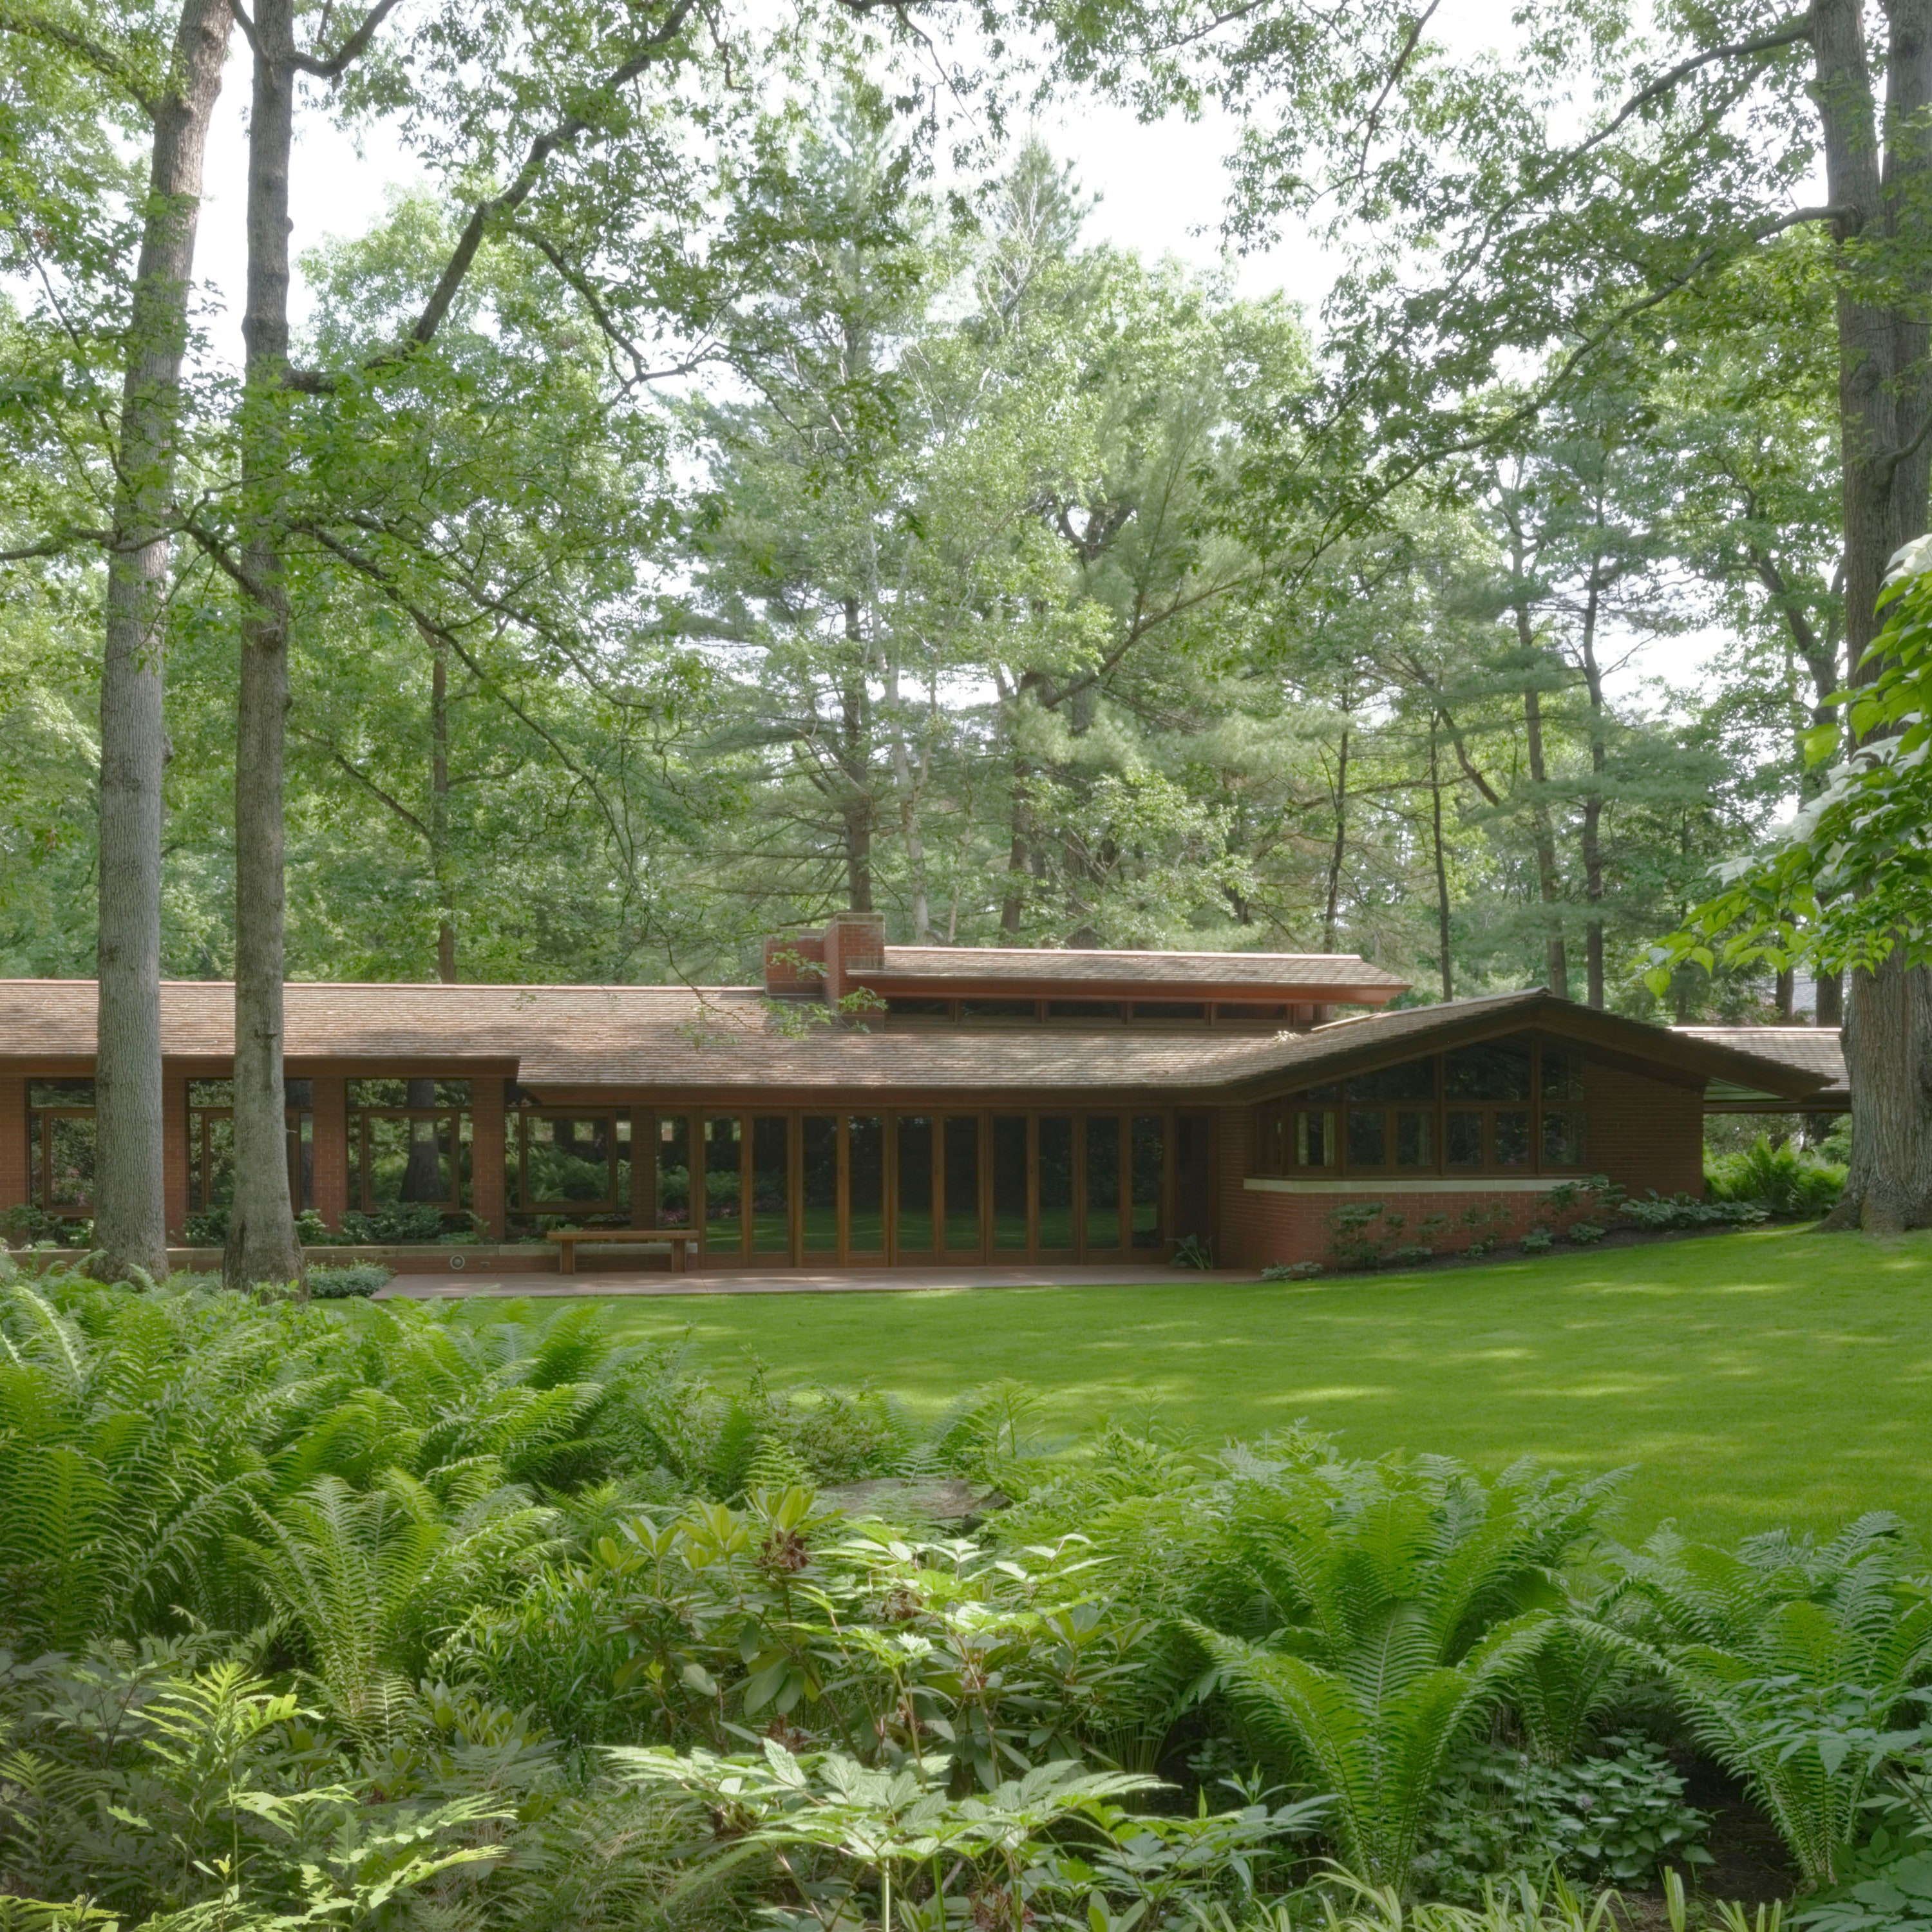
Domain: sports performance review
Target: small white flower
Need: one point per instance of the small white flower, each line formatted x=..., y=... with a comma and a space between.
x=1912, y=559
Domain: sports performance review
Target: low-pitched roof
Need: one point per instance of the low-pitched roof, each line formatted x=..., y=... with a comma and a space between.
x=1286, y=975
x=1818, y=1050
x=730, y=1038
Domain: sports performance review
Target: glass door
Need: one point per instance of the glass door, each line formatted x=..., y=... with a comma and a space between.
x=818, y=1187
x=916, y=1234
x=771, y=1188
x=724, y=1217
x=1100, y=1216
x=1013, y=1219
x=961, y=1227
x=865, y=1188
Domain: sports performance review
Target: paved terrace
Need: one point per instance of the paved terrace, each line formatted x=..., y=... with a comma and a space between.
x=798, y=1281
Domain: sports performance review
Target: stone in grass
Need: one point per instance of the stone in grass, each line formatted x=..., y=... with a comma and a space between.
x=947, y=1499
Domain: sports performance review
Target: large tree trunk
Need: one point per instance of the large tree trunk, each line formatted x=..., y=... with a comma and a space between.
x=1885, y=458
x=130, y=1211
x=262, y=1249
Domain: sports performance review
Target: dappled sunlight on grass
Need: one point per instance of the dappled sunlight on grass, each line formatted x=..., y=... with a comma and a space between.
x=1767, y=1377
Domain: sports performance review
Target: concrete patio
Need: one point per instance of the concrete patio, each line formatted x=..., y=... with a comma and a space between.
x=799, y=1281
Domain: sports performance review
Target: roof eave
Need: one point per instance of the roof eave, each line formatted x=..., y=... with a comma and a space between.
x=1637, y=1044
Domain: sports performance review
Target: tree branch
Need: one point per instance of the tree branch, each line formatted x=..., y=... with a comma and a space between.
x=352, y=49
x=520, y=190
x=103, y=60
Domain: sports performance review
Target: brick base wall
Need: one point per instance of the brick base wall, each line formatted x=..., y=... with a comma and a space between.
x=1645, y=1135
x=12, y=1141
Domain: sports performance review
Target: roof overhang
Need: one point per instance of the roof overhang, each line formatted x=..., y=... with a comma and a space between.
x=891, y=984
x=1362, y=1045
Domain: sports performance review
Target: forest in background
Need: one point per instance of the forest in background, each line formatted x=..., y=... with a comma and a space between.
x=944, y=570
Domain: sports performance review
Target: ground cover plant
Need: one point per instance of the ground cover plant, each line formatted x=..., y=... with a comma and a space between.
x=386, y=1615
x=1771, y=1377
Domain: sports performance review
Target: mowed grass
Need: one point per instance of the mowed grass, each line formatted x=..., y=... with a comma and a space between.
x=1772, y=1377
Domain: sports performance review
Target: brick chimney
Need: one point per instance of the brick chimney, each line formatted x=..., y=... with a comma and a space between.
x=788, y=956
x=854, y=941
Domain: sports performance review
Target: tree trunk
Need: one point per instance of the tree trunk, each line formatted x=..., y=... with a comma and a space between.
x=1331, y=912
x=1556, y=954
x=263, y=1250
x=1885, y=459
x=855, y=765
x=129, y=1210
x=1441, y=873
x=1593, y=804
x=439, y=812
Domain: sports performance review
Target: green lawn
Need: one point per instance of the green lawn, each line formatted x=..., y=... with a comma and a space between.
x=1775, y=1376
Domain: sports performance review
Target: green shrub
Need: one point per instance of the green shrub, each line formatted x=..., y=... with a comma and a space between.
x=1538, y=1241
x=1194, y=1251
x=1586, y=1232
x=1613, y=1817
x=1787, y=1182
x=1292, y=1271
x=340, y=1284
x=1655, y=1213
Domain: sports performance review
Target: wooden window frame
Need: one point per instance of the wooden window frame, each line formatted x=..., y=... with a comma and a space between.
x=607, y=1203
x=1275, y=1138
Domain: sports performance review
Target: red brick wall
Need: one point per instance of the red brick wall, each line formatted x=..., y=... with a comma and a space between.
x=1644, y=1134
x=486, y=1154
x=12, y=1141
x=329, y=1176
x=783, y=979
x=174, y=1154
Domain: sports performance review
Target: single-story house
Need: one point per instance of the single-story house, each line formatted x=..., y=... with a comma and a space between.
x=876, y=1105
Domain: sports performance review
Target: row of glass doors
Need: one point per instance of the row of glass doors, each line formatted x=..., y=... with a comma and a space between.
x=851, y=1189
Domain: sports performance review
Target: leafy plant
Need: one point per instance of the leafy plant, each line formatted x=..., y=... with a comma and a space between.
x=1614, y=1817
x=344, y=1284
x=1584, y=1233
x=1194, y=1251
x=1293, y=1271
x=1407, y=1598
x=1787, y=1182
x=1795, y=1661
x=1538, y=1241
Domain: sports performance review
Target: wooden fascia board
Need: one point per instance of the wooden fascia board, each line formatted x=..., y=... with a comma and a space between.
x=879, y=1099
x=898, y=985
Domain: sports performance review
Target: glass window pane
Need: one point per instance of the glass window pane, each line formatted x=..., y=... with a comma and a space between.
x=1366, y=1140
x=1512, y=1138
x=820, y=1178
x=211, y=1093
x=63, y=1093
x=1103, y=1181
x=865, y=1185
x=674, y=1170
x=1150, y=1175
x=1414, y=1137
x=407, y=1158
x=962, y=1184
x=1056, y=1183
x=1498, y=1069
x=997, y=1009
x=1414, y=1080
x=771, y=1184
x=1563, y=1140
x=623, y=1152
x=567, y=1160
x=723, y=1184
x=1562, y=1074
x=1009, y=1181
x=1465, y=1133
x=1314, y=1139
x=69, y=1175
x=915, y=1152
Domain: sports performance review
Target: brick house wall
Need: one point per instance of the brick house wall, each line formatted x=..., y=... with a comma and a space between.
x=1644, y=1134
x=12, y=1141
x=328, y=1175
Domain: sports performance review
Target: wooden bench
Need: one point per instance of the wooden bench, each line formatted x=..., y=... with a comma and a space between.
x=567, y=1239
